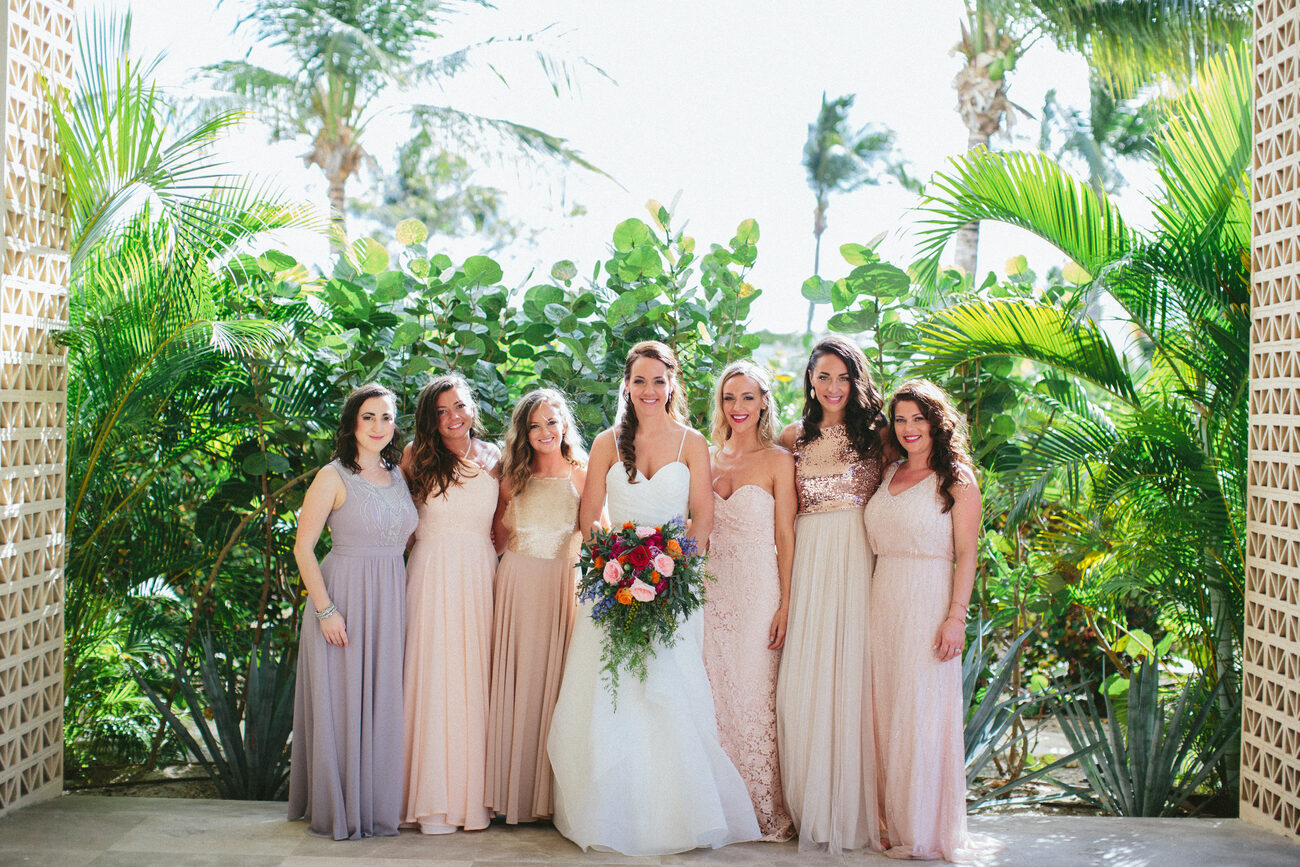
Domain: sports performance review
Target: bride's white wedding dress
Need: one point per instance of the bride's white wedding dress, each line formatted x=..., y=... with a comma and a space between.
x=650, y=778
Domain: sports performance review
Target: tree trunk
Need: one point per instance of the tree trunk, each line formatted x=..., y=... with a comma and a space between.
x=966, y=254
x=338, y=203
x=819, y=226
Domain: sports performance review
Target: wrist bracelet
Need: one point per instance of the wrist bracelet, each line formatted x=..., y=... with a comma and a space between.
x=332, y=609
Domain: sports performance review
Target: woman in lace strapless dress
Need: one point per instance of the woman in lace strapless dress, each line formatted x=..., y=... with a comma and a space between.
x=650, y=777
x=537, y=522
x=750, y=553
x=448, y=611
x=823, y=702
x=923, y=524
x=346, y=769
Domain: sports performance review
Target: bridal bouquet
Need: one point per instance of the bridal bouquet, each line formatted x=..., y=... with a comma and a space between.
x=643, y=581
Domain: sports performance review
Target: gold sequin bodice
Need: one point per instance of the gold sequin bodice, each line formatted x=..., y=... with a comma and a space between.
x=829, y=475
x=542, y=520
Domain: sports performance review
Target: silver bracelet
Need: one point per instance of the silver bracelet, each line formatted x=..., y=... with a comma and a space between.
x=332, y=609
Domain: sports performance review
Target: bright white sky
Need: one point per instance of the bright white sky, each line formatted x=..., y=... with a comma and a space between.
x=711, y=98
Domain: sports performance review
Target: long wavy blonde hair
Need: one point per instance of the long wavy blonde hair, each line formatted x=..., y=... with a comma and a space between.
x=518, y=460
x=768, y=432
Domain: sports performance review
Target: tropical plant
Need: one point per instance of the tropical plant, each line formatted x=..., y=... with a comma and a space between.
x=1112, y=130
x=1153, y=762
x=349, y=60
x=839, y=160
x=245, y=750
x=1153, y=437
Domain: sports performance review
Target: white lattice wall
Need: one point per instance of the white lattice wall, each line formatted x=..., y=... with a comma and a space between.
x=33, y=392
x=1270, y=748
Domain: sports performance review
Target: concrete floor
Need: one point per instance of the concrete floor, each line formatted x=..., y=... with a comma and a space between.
x=89, y=829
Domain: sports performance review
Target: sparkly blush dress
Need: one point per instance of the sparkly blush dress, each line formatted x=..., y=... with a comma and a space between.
x=919, y=714
x=345, y=773
x=448, y=654
x=823, y=698
x=535, y=608
x=737, y=617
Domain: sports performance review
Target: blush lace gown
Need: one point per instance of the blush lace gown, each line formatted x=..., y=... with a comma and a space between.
x=649, y=778
x=918, y=699
x=737, y=618
x=823, y=699
x=345, y=777
x=448, y=653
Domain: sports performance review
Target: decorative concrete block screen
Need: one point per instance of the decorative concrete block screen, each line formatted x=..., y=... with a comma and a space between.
x=33, y=397
x=1270, y=749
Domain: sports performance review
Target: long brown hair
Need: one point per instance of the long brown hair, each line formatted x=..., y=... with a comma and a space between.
x=949, y=444
x=626, y=424
x=862, y=417
x=345, y=439
x=518, y=464
x=433, y=467
x=768, y=431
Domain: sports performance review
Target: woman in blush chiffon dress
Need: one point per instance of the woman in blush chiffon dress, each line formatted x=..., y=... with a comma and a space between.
x=345, y=776
x=537, y=521
x=648, y=776
x=750, y=553
x=923, y=524
x=823, y=701
x=449, y=611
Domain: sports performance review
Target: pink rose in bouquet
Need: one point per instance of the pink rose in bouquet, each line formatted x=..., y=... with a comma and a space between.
x=664, y=565
x=643, y=532
x=641, y=591
x=613, y=572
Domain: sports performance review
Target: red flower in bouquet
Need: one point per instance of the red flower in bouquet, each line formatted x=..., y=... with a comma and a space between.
x=640, y=557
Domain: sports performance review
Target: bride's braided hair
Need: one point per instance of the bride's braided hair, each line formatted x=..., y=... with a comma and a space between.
x=626, y=424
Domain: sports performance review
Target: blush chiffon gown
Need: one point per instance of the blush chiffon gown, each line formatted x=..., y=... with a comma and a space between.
x=649, y=778
x=919, y=714
x=744, y=595
x=448, y=657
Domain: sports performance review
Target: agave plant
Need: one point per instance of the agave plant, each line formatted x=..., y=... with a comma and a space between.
x=1151, y=436
x=1162, y=753
x=247, y=755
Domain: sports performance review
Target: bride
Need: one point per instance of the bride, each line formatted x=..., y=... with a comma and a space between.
x=650, y=778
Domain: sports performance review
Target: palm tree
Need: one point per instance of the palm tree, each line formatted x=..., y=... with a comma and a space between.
x=1153, y=436
x=840, y=159
x=347, y=56
x=1126, y=42
x=1112, y=129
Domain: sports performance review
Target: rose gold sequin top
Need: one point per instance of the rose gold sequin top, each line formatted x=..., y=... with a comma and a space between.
x=829, y=475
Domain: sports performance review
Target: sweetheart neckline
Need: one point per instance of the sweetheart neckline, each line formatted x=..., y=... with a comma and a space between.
x=643, y=475
x=741, y=488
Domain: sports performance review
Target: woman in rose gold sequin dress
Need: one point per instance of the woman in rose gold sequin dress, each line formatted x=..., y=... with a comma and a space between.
x=545, y=468
x=923, y=523
x=751, y=550
x=823, y=701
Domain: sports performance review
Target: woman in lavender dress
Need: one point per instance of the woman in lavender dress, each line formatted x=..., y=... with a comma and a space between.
x=346, y=773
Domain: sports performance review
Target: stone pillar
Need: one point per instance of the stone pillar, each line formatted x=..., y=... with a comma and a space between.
x=1270, y=742
x=33, y=399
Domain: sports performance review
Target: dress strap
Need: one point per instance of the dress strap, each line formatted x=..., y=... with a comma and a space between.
x=617, y=453
x=683, y=445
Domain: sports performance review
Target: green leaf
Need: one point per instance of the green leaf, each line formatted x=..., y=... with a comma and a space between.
x=1004, y=426
x=411, y=231
x=841, y=295
x=816, y=290
x=273, y=261
x=856, y=254
x=482, y=271
x=564, y=271
x=416, y=365
x=406, y=334
x=371, y=257
x=390, y=286
x=631, y=233
x=852, y=321
x=880, y=280
x=260, y=463
x=746, y=234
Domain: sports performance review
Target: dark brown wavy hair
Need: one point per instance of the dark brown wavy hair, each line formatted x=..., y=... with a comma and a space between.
x=950, y=446
x=518, y=462
x=626, y=425
x=863, y=420
x=345, y=440
x=433, y=467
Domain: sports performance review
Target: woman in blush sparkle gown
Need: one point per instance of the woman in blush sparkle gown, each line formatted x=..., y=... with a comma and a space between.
x=449, y=611
x=823, y=701
x=647, y=777
x=750, y=553
x=345, y=777
x=923, y=524
x=537, y=523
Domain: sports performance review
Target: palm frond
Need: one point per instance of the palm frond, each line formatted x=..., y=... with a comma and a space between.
x=468, y=130
x=1027, y=190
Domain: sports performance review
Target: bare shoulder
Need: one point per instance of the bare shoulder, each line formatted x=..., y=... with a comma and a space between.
x=602, y=447
x=967, y=487
x=328, y=478
x=791, y=434
x=779, y=459
x=579, y=477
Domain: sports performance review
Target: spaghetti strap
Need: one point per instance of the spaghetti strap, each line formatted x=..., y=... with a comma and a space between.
x=617, y=453
x=682, y=446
